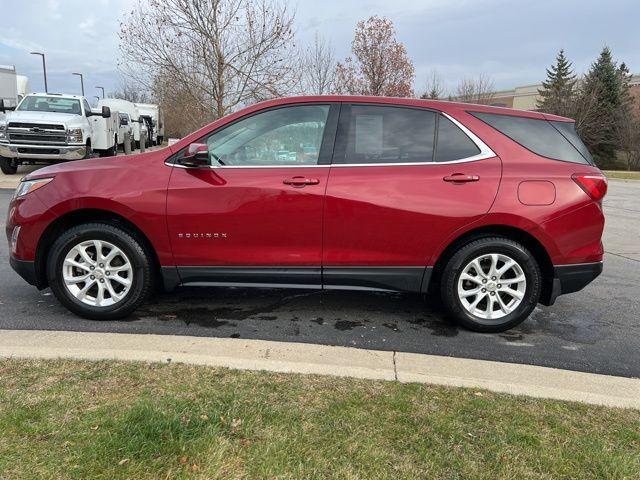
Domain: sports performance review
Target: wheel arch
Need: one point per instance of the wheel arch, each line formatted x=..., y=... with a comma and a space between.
x=533, y=244
x=88, y=215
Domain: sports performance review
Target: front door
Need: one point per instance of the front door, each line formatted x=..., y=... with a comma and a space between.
x=255, y=215
x=402, y=180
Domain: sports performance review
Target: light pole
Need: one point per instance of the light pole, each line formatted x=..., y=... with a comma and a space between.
x=101, y=88
x=44, y=69
x=81, y=81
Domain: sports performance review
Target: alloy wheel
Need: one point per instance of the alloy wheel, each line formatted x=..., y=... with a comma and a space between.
x=97, y=273
x=492, y=286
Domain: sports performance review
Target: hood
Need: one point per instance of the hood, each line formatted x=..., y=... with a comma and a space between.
x=120, y=163
x=43, y=117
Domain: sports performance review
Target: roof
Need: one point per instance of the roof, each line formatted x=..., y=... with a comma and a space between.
x=441, y=105
x=52, y=94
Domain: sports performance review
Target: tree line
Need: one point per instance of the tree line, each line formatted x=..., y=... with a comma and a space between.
x=203, y=59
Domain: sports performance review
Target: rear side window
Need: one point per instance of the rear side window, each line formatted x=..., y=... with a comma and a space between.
x=453, y=143
x=381, y=134
x=556, y=140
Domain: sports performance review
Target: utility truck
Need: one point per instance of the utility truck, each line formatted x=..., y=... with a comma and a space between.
x=124, y=106
x=157, y=120
x=51, y=128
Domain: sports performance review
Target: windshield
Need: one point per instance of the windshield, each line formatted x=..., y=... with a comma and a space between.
x=51, y=104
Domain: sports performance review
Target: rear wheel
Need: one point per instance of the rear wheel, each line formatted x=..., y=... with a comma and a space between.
x=99, y=271
x=7, y=166
x=491, y=284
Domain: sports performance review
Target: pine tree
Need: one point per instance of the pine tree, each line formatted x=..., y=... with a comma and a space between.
x=606, y=83
x=556, y=95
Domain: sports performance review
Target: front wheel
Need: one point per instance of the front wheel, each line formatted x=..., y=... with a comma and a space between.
x=99, y=271
x=491, y=284
x=7, y=166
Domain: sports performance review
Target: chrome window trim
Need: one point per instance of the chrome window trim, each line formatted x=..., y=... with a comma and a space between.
x=485, y=152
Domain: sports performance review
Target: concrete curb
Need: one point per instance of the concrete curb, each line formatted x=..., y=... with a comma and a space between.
x=287, y=357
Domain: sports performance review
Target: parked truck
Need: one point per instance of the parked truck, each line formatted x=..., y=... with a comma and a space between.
x=13, y=87
x=50, y=128
x=125, y=106
x=157, y=120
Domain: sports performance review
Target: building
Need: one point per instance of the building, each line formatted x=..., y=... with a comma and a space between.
x=526, y=97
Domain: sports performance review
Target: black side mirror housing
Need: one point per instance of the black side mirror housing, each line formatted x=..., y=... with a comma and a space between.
x=2, y=109
x=106, y=112
x=196, y=156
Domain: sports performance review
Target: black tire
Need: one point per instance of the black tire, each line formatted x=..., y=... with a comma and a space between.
x=142, y=281
x=88, y=152
x=7, y=167
x=483, y=246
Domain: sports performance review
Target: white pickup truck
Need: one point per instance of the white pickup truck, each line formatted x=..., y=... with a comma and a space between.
x=52, y=128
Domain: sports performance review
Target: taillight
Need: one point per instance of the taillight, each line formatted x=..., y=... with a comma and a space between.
x=594, y=185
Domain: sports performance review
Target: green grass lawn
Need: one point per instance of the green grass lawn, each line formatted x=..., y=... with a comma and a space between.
x=622, y=174
x=89, y=420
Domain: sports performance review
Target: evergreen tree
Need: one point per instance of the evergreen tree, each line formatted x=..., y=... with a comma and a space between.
x=556, y=95
x=606, y=83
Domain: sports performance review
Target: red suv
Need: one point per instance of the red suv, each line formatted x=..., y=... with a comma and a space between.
x=496, y=209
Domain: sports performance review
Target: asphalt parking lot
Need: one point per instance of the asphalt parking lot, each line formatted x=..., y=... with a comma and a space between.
x=596, y=330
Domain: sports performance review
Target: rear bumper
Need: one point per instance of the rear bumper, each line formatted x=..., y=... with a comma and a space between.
x=43, y=152
x=571, y=278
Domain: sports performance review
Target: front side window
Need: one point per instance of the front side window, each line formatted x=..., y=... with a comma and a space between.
x=381, y=134
x=33, y=103
x=87, y=108
x=555, y=140
x=286, y=136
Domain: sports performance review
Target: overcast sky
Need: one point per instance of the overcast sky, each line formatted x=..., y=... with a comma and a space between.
x=512, y=41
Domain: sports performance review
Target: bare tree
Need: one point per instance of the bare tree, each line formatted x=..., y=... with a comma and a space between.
x=221, y=54
x=380, y=64
x=476, y=90
x=318, y=67
x=132, y=91
x=434, y=86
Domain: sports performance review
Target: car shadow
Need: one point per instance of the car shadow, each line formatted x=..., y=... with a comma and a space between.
x=338, y=317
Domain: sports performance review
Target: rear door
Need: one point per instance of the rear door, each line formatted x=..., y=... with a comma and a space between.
x=401, y=181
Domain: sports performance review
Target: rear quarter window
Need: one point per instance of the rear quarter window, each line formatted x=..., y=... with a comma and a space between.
x=555, y=140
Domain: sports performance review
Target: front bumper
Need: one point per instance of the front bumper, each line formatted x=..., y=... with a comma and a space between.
x=27, y=270
x=572, y=278
x=42, y=152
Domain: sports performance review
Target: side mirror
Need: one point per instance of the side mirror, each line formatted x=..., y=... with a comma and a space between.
x=197, y=155
x=2, y=109
x=106, y=112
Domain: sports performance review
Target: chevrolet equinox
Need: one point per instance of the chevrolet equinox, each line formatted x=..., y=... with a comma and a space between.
x=496, y=210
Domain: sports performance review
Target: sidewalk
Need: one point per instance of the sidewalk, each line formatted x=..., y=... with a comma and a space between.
x=326, y=360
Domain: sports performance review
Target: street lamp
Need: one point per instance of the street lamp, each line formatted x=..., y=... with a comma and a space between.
x=44, y=69
x=81, y=81
x=101, y=88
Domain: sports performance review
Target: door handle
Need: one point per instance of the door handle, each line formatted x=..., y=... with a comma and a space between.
x=461, y=178
x=299, y=182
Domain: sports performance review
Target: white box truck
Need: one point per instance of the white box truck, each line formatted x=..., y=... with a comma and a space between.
x=125, y=106
x=157, y=120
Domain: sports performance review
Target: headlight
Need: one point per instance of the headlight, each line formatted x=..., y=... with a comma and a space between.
x=3, y=131
x=29, y=186
x=74, y=135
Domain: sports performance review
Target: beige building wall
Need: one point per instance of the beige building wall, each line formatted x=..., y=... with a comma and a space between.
x=526, y=97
